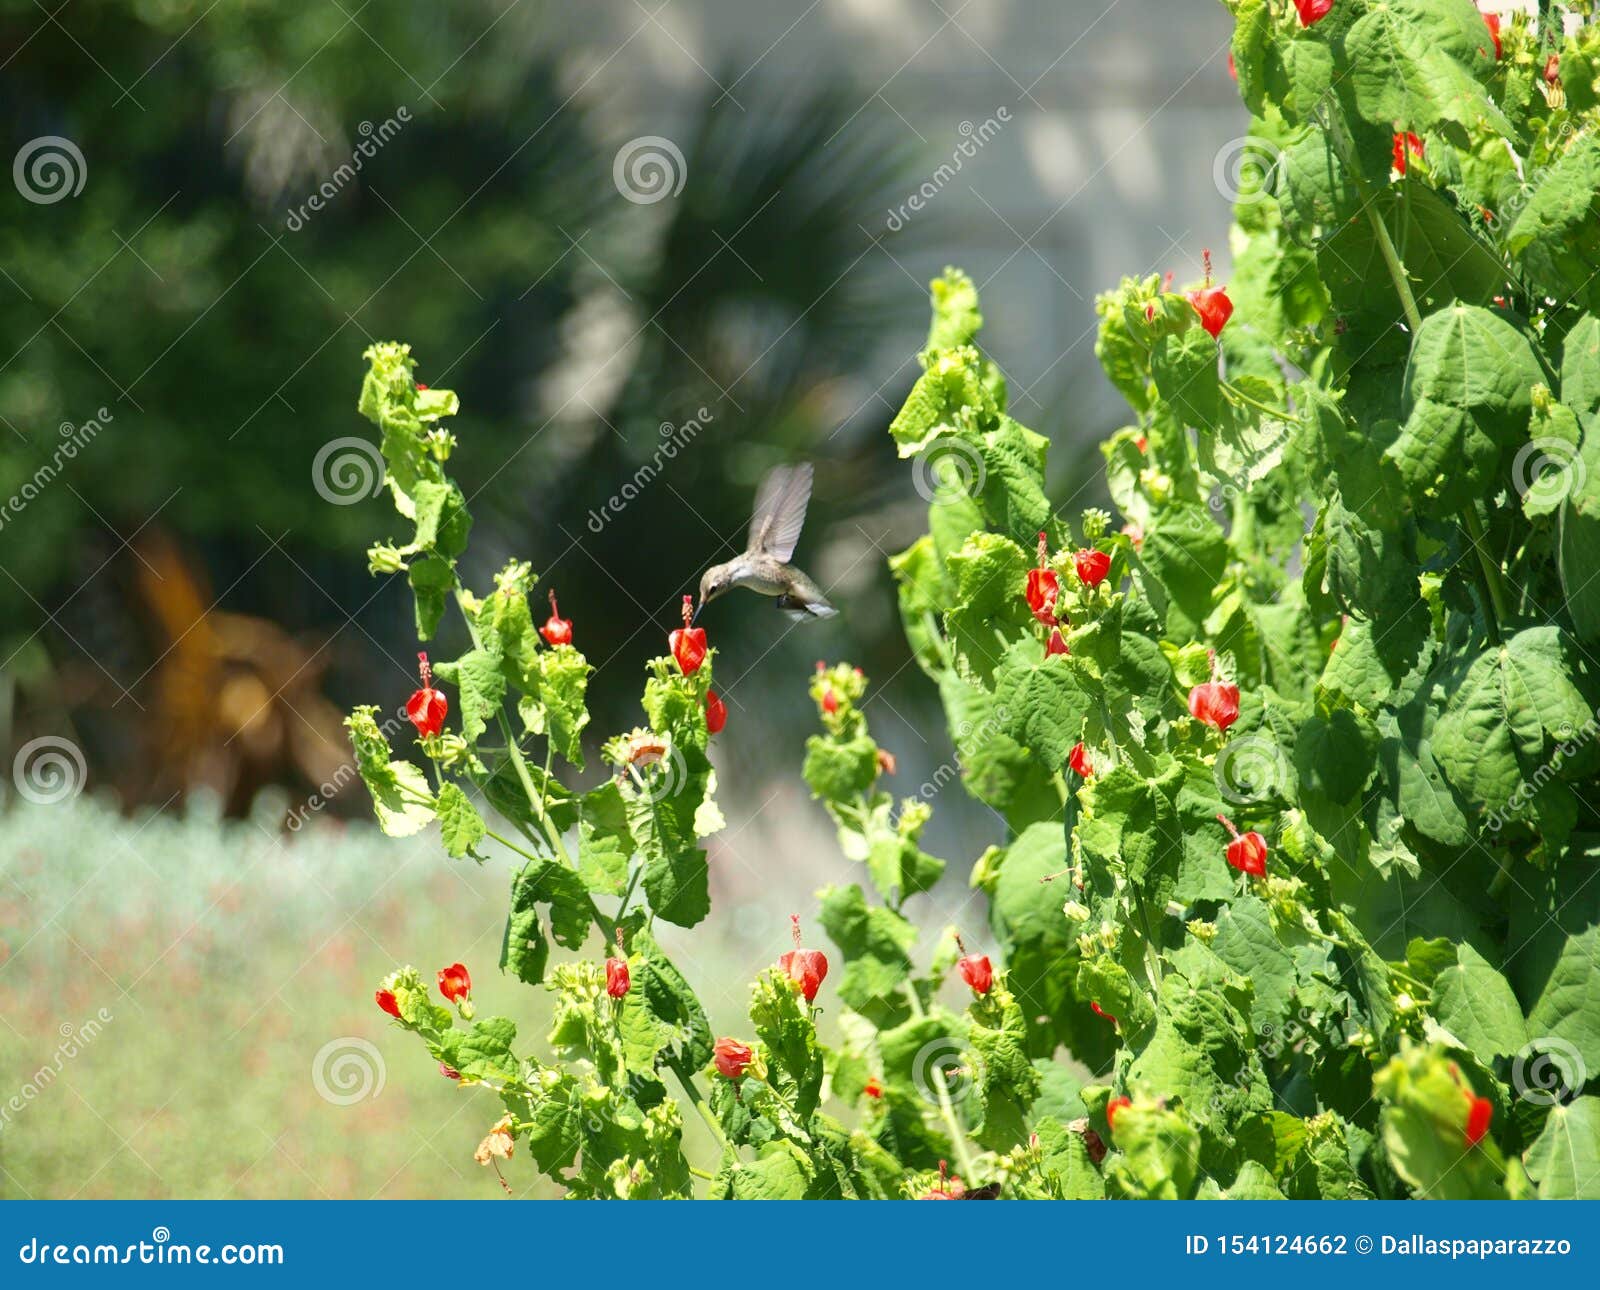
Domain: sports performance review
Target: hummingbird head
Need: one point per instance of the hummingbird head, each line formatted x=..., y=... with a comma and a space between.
x=713, y=583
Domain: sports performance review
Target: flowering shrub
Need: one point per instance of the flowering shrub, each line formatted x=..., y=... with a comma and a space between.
x=1297, y=766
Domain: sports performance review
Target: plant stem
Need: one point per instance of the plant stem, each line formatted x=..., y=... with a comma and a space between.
x=1491, y=570
x=1397, y=271
x=701, y=1173
x=1236, y=395
x=947, y=1110
x=692, y=1092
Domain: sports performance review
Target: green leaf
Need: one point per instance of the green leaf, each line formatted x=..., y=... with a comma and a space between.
x=395, y=797
x=676, y=876
x=1424, y=1130
x=1158, y=1155
x=839, y=770
x=1400, y=74
x=1467, y=391
x=1043, y=701
x=956, y=316
x=459, y=822
x=605, y=845
x=1185, y=372
x=1475, y=1004
x=1557, y=234
x=482, y=686
x=560, y=708
x=874, y=942
x=991, y=575
x=1335, y=754
x=1565, y=1158
x=484, y=1051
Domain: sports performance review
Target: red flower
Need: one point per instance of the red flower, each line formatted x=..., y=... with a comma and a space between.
x=1247, y=852
x=1403, y=144
x=1215, y=702
x=1211, y=303
x=1492, y=22
x=978, y=972
x=387, y=1001
x=830, y=701
x=556, y=630
x=1101, y=1012
x=873, y=1089
x=688, y=644
x=421, y=387
x=1078, y=759
x=1057, y=644
x=1479, y=1111
x=886, y=762
x=1233, y=71
x=449, y=1072
x=732, y=1057
x=427, y=708
x=617, y=979
x=716, y=713
x=1552, y=69
x=1313, y=11
x=1092, y=567
x=805, y=968
x=1112, y=1107
x=1043, y=590
x=455, y=983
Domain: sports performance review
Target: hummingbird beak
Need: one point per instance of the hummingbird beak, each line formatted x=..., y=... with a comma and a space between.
x=695, y=617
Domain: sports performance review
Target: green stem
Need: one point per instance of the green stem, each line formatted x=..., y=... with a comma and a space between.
x=947, y=1110
x=1397, y=271
x=1236, y=395
x=701, y=1173
x=1493, y=587
x=692, y=1092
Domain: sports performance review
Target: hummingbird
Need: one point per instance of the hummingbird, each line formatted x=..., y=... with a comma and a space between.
x=764, y=567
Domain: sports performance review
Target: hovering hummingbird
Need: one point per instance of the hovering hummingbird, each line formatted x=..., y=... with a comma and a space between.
x=764, y=567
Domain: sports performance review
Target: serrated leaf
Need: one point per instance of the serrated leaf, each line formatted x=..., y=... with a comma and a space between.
x=460, y=825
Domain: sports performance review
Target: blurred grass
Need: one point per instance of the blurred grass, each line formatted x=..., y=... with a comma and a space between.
x=227, y=956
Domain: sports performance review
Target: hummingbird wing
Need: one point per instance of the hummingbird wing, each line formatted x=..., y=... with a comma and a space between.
x=780, y=511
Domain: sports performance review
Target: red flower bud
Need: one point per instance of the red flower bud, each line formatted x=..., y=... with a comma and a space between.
x=1233, y=70
x=977, y=972
x=1213, y=306
x=1404, y=143
x=1057, y=644
x=1092, y=567
x=1043, y=590
x=1112, y=1107
x=421, y=387
x=455, y=983
x=716, y=713
x=617, y=979
x=805, y=968
x=1215, y=702
x=1078, y=760
x=873, y=1089
x=1247, y=852
x=886, y=762
x=688, y=644
x=1313, y=11
x=732, y=1057
x=1552, y=69
x=1479, y=1112
x=556, y=630
x=449, y=1072
x=1492, y=21
x=1101, y=1012
x=830, y=701
x=427, y=708
x=387, y=1001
